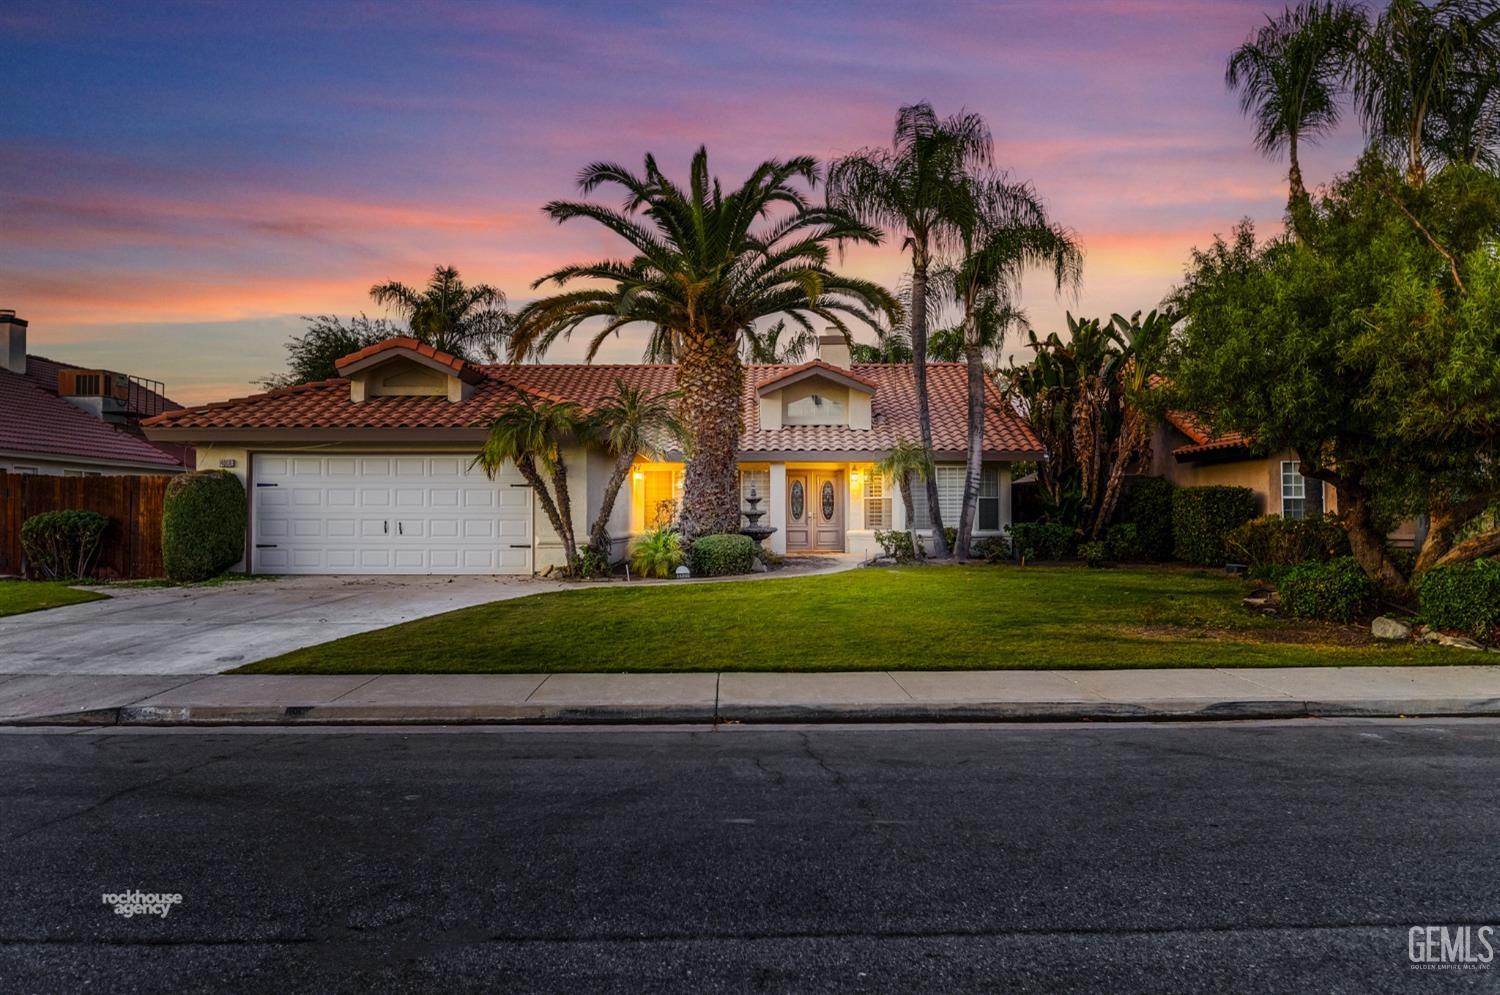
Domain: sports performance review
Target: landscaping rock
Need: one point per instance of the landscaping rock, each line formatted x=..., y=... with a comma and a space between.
x=1385, y=627
x=1265, y=602
x=758, y=566
x=1428, y=638
x=1459, y=643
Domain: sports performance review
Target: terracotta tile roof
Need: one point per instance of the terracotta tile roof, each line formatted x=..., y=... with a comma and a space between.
x=1195, y=427
x=466, y=370
x=40, y=422
x=326, y=405
x=788, y=372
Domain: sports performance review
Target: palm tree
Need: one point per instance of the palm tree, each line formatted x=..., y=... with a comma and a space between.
x=917, y=187
x=469, y=322
x=1288, y=75
x=530, y=432
x=907, y=459
x=1143, y=343
x=770, y=347
x=628, y=423
x=707, y=266
x=1008, y=234
x=1419, y=63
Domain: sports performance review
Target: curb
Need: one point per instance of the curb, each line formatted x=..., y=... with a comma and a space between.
x=1165, y=710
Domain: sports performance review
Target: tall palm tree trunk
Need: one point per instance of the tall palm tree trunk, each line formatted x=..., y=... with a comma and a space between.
x=557, y=516
x=911, y=515
x=975, y=463
x=611, y=493
x=919, y=372
x=711, y=380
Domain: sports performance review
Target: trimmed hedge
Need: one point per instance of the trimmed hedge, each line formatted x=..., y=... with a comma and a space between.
x=1272, y=541
x=1337, y=591
x=992, y=549
x=63, y=544
x=1043, y=540
x=203, y=525
x=719, y=555
x=1203, y=516
x=1464, y=596
x=1148, y=506
x=1123, y=540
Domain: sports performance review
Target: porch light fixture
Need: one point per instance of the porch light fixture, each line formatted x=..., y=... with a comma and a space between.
x=638, y=476
x=855, y=476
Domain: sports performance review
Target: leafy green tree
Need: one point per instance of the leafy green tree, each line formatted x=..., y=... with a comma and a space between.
x=707, y=266
x=628, y=423
x=777, y=345
x=531, y=433
x=1288, y=75
x=919, y=187
x=468, y=322
x=311, y=355
x=1371, y=349
x=890, y=346
x=1006, y=233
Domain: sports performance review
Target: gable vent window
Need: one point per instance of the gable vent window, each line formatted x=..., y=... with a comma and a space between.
x=815, y=409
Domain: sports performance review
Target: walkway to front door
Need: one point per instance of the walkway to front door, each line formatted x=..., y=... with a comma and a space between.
x=815, y=510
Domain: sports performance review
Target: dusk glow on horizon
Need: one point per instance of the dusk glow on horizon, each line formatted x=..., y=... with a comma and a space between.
x=179, y=182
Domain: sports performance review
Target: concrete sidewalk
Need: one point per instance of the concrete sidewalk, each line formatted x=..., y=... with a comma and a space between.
x=880, y=696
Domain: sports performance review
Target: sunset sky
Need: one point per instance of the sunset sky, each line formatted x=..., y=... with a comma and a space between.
x=178, y=182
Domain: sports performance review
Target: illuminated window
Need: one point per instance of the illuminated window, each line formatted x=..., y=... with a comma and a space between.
x=815, y=409
x=877, y=501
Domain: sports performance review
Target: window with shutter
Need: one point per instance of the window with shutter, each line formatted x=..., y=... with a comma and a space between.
x=877, y=502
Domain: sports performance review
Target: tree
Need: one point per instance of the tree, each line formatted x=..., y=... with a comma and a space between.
x=890, y=346
x=627, y=423
x=468, y=322
x=1006, y=233
x=917, y=187
x=1288, y=75
x=907, y=459
x=775, y=345
x=707, y=266
x=531, y=433
x=311, y=355
x=1419, y=67
x=1371, y=350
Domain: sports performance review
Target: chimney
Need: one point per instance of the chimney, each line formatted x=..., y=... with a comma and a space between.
x=833, y=349
x=12, y=342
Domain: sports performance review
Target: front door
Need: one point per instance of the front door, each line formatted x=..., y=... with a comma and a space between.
x=827, y=511
x=798, y=510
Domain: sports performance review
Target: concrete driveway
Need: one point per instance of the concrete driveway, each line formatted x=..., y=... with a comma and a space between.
x=208, y=630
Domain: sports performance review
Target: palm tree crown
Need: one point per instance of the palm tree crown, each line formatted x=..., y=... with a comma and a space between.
x=706, y=266
x=470, y=322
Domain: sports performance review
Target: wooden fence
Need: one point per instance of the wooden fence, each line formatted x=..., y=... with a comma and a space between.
x=133, y=505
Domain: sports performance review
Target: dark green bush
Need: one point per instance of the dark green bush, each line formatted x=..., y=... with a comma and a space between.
x=203, y=525
x=1464, y=596
x=896, y=544
x=1093, y=552
x=1123, y=541
x=62, y=544
x=1338, y=591
x=1148, y=506
x=992, y=549
x=1272, y=541
x=719, y=555
x=1203, y=516
x=1043, y=540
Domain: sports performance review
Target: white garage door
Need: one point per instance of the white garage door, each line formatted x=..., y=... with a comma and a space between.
x=406, y=514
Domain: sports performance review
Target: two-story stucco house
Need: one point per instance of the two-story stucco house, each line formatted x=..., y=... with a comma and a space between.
x=371, y=472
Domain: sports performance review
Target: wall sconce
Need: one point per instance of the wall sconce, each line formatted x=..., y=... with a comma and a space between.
x=855, y=476
x=638, y=476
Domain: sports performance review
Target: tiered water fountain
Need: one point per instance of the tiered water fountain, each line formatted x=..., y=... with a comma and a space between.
x=755, y=530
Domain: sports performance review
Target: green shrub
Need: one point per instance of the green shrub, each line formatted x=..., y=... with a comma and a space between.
x=63, y=544
x=720, y=555
x=203, y=525
x=1203, y=516
x=1464, y=596
x=1124, y=542
x=1272, y=541
x=656, y=553
x=896, y=544
x=992, y=549
x=1042, y=540
x=1339, y=591
x=1093, y=552
x=1148, y=506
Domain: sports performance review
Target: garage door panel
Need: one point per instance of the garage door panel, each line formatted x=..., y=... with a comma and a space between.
x=418, y=513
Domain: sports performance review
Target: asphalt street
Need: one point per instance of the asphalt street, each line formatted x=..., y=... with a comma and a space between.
x=1107, y=858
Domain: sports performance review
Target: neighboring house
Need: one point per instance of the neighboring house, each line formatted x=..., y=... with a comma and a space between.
x=371, y=472
x=64, y=420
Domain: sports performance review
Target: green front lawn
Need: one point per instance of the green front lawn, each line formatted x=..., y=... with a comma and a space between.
x=17, y=596
x=925, y=618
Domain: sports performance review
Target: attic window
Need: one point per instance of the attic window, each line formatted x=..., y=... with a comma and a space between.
x=815, y=409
